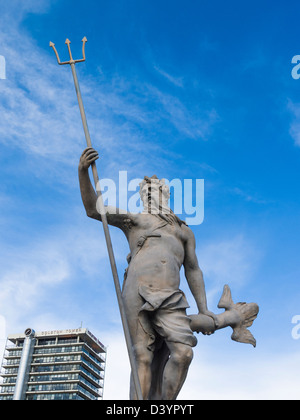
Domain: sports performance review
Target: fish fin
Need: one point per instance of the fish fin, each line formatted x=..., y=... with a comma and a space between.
x=248, y=313
x=226, y=301
x=242, y=335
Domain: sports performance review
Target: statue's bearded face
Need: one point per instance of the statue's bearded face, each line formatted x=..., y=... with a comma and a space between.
x=154, y=194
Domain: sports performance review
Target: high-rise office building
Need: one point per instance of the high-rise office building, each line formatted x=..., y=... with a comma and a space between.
x=53, y=365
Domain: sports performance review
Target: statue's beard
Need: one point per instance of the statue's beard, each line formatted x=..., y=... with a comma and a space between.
x=162, y=211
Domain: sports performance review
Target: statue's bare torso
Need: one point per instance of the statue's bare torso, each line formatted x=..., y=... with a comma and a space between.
x=155, y=260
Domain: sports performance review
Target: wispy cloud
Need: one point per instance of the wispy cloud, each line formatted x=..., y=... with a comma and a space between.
x=250, y=197
x=177, y=81
x=273, y=377
x=192, y=123
x=254, y=60
x=37, y=115
x=40, y=115
x=39, y=271
x=18, y=8
x=230, y=261
x=295, y=123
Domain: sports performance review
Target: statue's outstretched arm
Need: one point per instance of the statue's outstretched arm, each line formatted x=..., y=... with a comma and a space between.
x=194, y=277
x=239, y=316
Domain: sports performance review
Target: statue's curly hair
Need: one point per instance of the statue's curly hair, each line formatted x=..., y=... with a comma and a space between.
x=155, y=180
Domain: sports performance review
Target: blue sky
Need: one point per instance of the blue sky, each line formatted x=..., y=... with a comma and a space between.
x=186, y=90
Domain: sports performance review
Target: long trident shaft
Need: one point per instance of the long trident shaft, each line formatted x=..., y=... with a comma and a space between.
x=104, y=219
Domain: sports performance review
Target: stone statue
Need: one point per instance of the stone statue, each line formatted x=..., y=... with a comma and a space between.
x=160, y=244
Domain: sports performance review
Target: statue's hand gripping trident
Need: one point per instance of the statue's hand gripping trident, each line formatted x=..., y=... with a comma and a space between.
x=128, y=339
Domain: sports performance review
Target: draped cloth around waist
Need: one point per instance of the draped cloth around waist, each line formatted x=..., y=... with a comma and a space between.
x=164, y=313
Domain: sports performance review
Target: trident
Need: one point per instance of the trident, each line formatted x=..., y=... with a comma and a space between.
x=128, y=340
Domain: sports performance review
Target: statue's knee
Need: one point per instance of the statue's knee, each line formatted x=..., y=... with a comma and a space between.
x=187, y=355
x=143, y=355
x=190, y=355
x=182, y=355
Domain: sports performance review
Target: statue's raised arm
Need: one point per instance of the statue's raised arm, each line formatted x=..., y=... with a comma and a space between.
x=114, y=216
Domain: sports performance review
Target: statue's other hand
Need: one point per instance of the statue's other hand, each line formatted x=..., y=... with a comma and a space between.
x=89, y=155
x=213, y=316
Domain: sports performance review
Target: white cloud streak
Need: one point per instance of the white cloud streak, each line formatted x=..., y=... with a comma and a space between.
x=43, y=269
x=267, y=377
x=295, y=123
x=231, y=261
x=40, y=115
x=177, y=81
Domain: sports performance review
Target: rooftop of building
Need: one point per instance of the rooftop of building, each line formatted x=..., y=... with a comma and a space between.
x=83, y=333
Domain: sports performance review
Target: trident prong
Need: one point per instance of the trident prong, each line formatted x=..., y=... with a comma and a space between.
x=71, y=61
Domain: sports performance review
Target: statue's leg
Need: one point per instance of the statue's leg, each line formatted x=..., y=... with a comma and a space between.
x=160, y=357
x=173, y=326
x=138, y=324
x=176, y=369
x=144, y=358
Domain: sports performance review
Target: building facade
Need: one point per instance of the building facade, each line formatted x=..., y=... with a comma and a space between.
x=53, y=365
